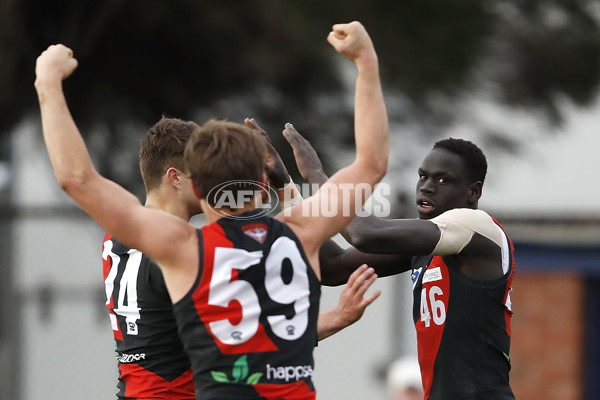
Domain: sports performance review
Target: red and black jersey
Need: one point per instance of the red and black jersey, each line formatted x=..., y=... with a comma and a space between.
x=463, y=329
x=249, y=323
x=151, y=360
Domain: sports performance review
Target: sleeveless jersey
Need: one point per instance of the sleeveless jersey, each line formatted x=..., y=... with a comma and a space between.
x=151, y=360
x=249, y=323
x=463, y=329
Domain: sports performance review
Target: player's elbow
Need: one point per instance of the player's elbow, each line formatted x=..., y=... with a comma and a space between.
x=381, y=168
x=331, y=277
x=361, y=240
x=70, y=182
x=374, y=168
x=382, y=162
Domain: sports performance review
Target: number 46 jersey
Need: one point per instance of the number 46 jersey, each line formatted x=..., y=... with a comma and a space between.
x=151, y=359
x=249, y=323
x=463, y=328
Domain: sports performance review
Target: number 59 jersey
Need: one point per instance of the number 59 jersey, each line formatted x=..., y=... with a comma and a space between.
x=249, y=323
x=151, y=359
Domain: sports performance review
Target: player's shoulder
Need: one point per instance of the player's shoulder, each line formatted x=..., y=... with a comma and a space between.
x=464, y=213
x=461, y=223
x=467, y=217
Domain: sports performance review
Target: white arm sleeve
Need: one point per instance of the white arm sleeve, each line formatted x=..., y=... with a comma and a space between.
x=457, y=227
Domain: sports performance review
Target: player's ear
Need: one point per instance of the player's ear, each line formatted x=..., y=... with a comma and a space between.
x=173, y=176
x=475, y=190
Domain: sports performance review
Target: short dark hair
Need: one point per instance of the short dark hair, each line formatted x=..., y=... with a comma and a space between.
x=471, y=154
x=163, y=148
x=222, y=151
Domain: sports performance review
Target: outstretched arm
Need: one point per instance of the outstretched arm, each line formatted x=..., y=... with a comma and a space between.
x=68, y=154
x=369, y=234
x=371, y=137
x=115, y=209
x=352, y=304
x=275, y=168
x=337, y=264
x=308, y=162
x=276, y=171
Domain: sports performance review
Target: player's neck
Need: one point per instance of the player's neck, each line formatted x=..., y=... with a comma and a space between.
x=214, y=214
x=172, y=206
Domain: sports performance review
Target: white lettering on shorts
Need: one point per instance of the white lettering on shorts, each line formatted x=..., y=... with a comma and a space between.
x=129, y=358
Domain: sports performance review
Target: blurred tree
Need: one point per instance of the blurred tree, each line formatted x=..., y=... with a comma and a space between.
x=140, y=59
x=553, y=48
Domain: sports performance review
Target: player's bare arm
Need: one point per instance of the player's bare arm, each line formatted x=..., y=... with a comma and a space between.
x=369, y=234
x=275, y=169
x=371, y=137
x=115, y=209
x=337, y=264
x=398, y=239
x=308, y=162
x=352, y=303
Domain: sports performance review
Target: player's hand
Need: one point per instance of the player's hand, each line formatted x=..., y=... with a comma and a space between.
x=309, y=164
x=352, y=304
x=276, y=171
x=55, y=64
x=351, y=40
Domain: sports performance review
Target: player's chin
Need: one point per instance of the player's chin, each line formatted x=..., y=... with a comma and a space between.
x=426, y=212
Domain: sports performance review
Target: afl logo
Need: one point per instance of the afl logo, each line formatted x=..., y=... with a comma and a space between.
x=237, y=194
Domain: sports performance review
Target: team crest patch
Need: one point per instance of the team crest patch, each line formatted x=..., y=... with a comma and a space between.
x=257, y=232
x=415, y=274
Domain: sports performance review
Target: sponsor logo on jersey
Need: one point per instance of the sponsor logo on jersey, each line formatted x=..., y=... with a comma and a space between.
x=289, y=372
x=432, y=274
x=257, y=232
x=130, y=358
x=240, y=373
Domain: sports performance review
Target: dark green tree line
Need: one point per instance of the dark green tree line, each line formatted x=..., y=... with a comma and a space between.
x=140, y=59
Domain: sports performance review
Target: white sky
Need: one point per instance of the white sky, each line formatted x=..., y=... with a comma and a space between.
x=554, y=175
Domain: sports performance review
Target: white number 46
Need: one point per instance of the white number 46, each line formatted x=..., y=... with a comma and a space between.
x=437, y=307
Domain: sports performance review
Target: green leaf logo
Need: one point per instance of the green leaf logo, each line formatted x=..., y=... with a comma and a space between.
x=254, y=378
x=240, y=369
x=239, y=373
x=219, y=376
